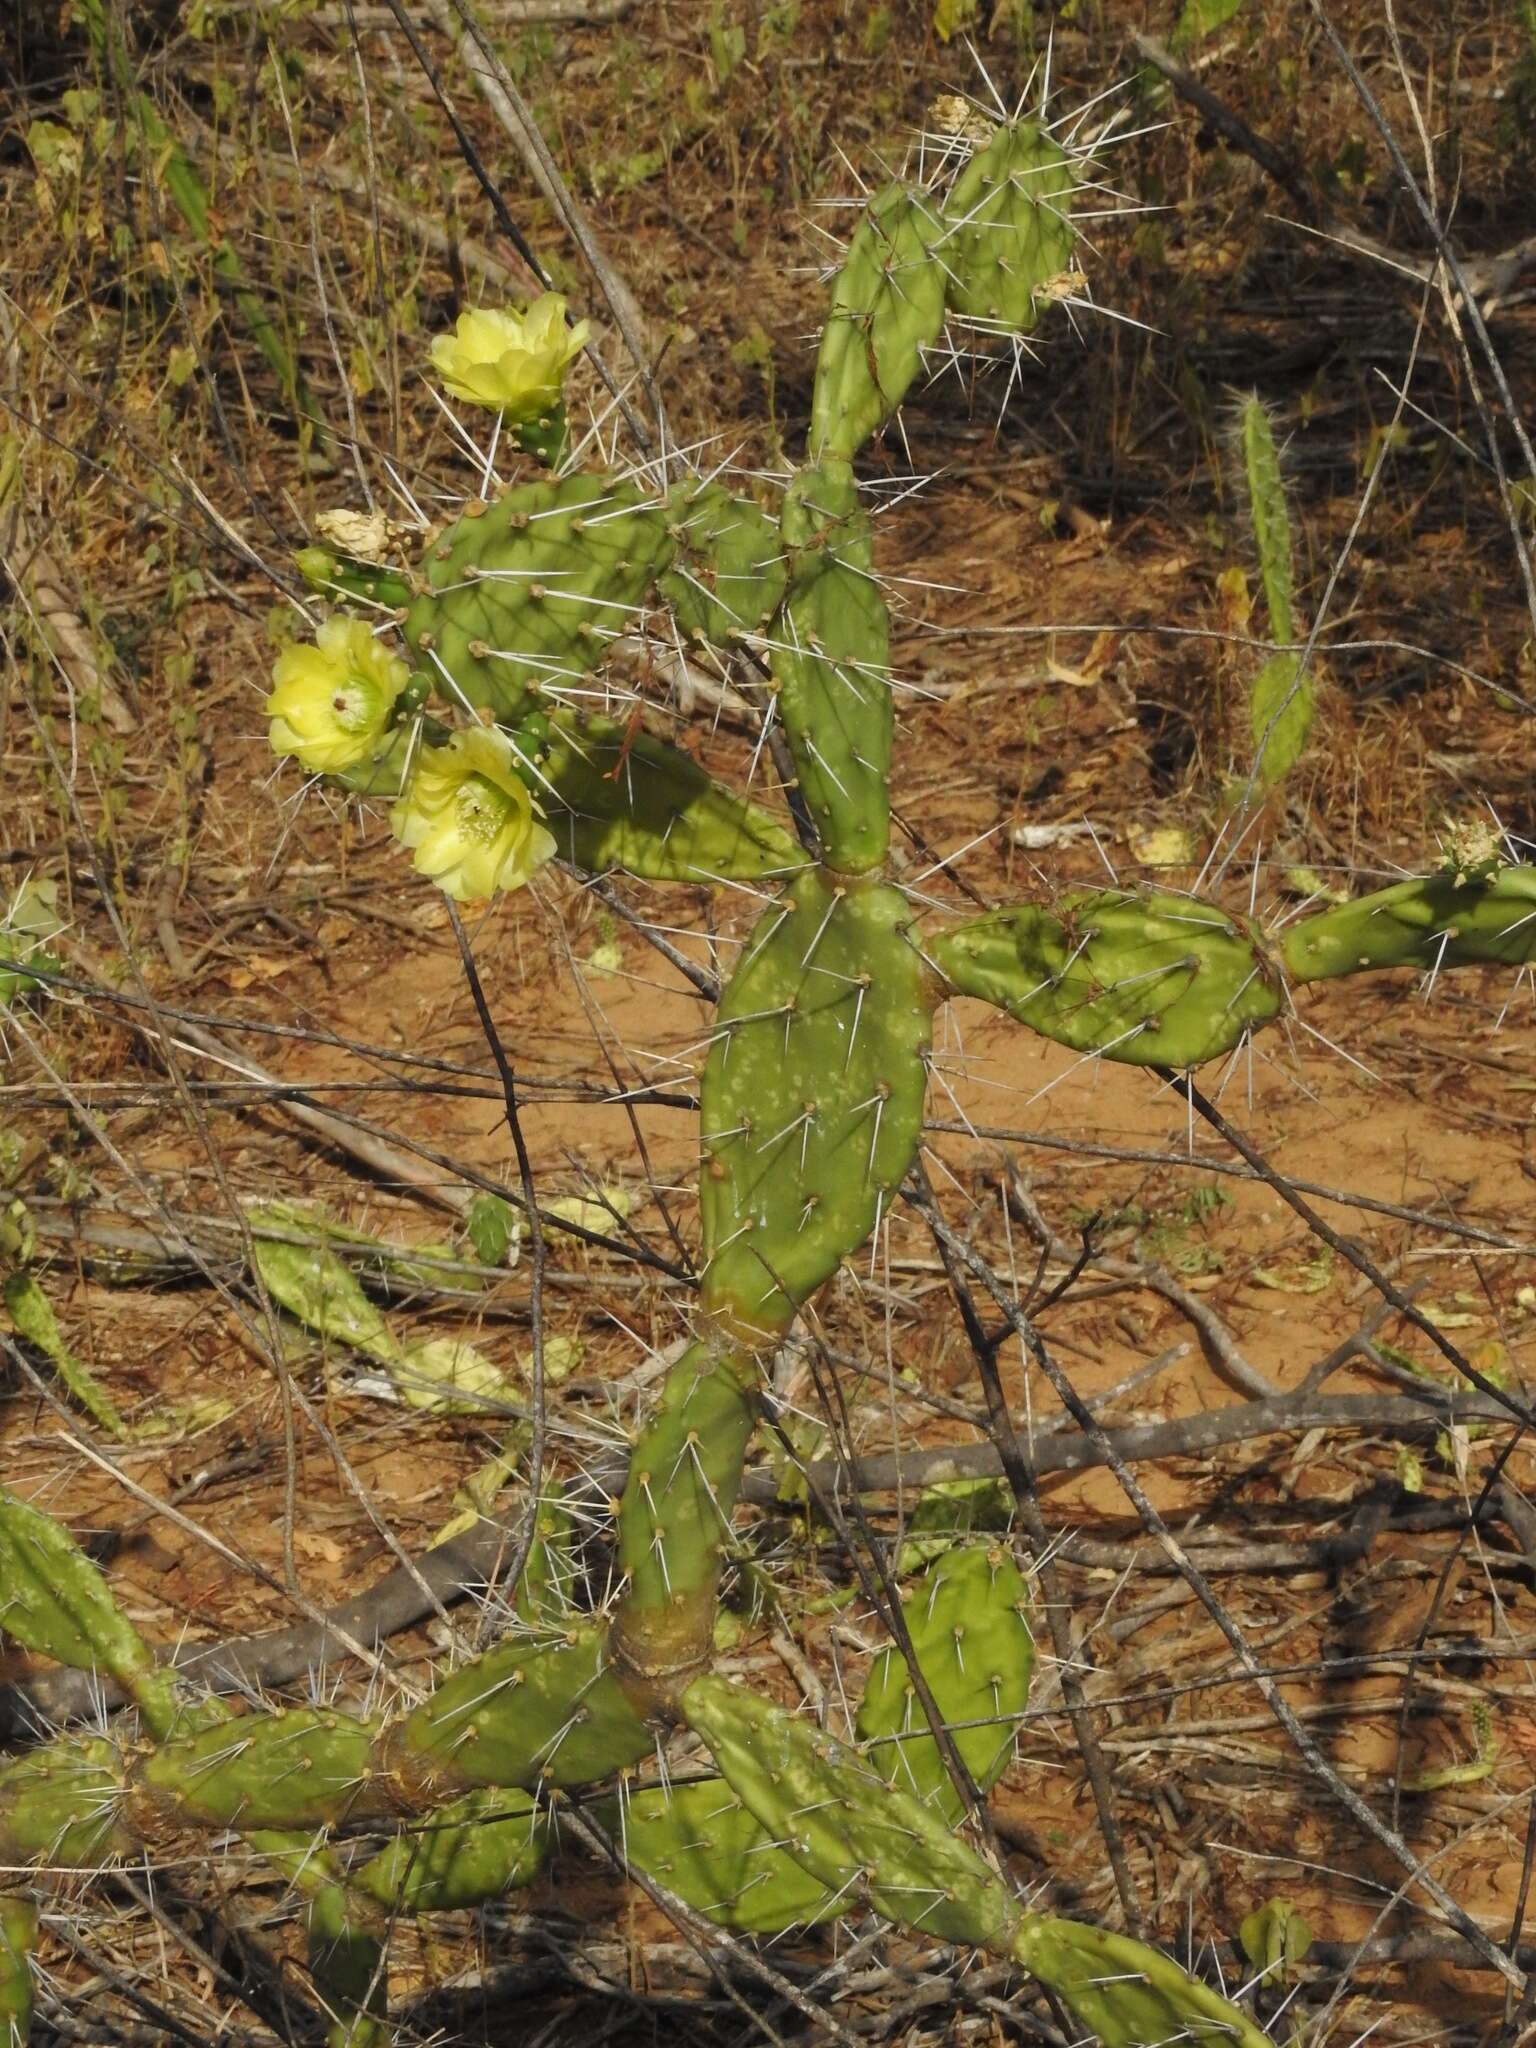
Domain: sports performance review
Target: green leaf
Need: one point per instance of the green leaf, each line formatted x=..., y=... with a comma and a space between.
x=32, y=918
x=952, y=17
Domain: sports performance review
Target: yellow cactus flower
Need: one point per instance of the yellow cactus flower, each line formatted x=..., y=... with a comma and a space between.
x=331, y=703
x=470, y=820
x=512, y=362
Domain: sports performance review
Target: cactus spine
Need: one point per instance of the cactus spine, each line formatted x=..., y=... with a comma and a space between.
x=812, y=1106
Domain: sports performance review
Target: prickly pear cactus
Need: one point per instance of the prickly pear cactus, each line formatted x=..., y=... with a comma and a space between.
x=887, y=309
x=967, y=1617
x=1150, y=979
x=1434, y=921
x=18, y=1937
x=811, y=1113
x=727, y=573
x=863, y=1838
x=53, y=1599
x=831, y=649
x=526, y=595
x=618, y=798
x=702, y=1842
x=813, y=1095
x=1009, y=235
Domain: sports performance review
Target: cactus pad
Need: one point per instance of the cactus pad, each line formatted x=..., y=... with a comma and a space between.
x=701, y=1842
x=684, y=1475
x=1151, y=979
x=53, y=1599
x=1269, y=514
x=338, y=575
x=831, y=660
x=530, y=593
x=18, y=1937
x=619, y=799
x=525, y=1714
x=727, y=573
x=59, y=1806
x=965, y=1616
x=887, y=307
x=1432, y=922
x=347, y=1951
x=812, y=1097
x=1008, y=228
x=301, y=1769
x=473, y=1849
x=1131, y=1996
x=856, y=1834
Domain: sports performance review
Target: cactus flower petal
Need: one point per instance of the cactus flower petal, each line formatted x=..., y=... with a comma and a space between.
x=331, y=703
x=469, y=819
x=512, y=362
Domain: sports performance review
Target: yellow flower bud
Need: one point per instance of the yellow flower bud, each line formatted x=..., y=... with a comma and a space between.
x=512, y=362
x=469, y=818
x=331, y=703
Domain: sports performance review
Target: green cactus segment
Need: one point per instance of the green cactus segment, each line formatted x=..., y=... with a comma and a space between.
x=348, y=1955
x=544, y=1592
x=32, y=1314
x=528, y=594
x=1148, y=978
x=887, y=307
x=1282, y=699
x=473, y=1849
x=525, y=1715
x=856, y=1834
x=18, y=1938
x=831, y=660
x=369, y=583
x=303, y=1768
x=1268, y=512
x=348, y=1940
x=1433, y=922
x=727, y=574
x=965, y=1616
x=315, y=1284
x=684, y=1475
x=615, y=798
x=1130, y=1995
x=53, y=1599
x=812, y=1096
x=59, y=1806
x=1009, y=230
x=699, y=1841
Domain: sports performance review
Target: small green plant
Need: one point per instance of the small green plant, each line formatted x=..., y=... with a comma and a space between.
x=811, y=1110
x=1282, y=696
